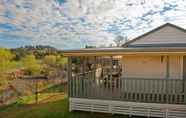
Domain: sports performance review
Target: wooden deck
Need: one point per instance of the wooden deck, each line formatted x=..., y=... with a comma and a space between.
x=165, y=91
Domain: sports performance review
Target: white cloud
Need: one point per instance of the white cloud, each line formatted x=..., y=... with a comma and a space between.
x=77, y=23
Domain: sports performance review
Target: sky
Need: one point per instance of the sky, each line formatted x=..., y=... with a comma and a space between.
x=71, y=24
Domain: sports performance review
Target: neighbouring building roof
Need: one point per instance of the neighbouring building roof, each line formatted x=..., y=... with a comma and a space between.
x=167, y=38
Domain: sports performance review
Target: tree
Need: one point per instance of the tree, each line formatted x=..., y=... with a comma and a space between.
x=120, y=40
x=6, y=65
x=5, y=54
x=31, y=65
x=6, y=62
x=61, y=61
x=50, y=60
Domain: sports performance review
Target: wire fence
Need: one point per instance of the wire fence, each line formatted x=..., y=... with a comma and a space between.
x=29, y=87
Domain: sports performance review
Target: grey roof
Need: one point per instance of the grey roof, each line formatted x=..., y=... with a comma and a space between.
x=127, y=44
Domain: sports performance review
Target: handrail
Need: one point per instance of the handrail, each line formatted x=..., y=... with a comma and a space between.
x=128, y=78
x=84, y=73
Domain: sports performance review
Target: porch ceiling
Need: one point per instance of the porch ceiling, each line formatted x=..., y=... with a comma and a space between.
x=126, y=51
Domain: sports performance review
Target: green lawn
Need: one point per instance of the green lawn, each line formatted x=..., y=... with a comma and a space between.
x=51, y=105
x=57, y=109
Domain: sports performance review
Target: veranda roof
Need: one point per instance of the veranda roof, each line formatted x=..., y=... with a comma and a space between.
x=125, y=51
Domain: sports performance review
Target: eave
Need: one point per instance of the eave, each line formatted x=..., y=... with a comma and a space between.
x=126, y=51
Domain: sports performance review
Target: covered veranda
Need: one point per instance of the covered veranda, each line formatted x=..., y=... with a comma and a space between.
x=97, y=74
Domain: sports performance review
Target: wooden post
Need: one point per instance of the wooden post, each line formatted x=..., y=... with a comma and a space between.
x=168, y=68
x=95, y=62
x=84, y=64
x=183, y=77
x=84, y=77
x=167, y=77
x=36, y=91
x=95, y=90
x=111, y=69
x=69, y=76
x=184, y=81
x=102, y=78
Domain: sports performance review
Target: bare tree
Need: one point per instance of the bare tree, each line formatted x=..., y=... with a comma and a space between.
x=120, y=40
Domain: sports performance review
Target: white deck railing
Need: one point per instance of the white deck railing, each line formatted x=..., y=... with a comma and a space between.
x=168, y=91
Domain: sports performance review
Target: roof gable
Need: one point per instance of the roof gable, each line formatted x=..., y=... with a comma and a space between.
x=166, y=35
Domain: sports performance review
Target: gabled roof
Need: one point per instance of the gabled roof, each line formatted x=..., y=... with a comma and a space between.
x=152, y=31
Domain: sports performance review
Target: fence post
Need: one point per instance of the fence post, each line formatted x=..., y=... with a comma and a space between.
x=36, y=91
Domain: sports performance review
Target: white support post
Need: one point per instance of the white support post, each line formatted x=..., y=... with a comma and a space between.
x=69, y=80
x=168, y=68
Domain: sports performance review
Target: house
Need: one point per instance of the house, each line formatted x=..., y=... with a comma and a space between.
x=144, y=77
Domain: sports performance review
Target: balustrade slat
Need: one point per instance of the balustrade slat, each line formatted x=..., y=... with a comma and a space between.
x=161, y=91
x=154, y=91
x=76, y=87
x=73, y=86
x=79, y=85
x=136, y=90
x=84, y=86
x=89, y=84
x=92, y=84
x=127, y=88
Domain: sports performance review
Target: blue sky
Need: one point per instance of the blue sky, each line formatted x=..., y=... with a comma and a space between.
x=67, y=24
x=13, y=41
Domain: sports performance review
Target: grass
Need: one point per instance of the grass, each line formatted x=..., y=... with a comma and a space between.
x=51, y=105
x=57, y=109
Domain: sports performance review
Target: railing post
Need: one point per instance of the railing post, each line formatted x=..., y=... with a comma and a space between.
x=84, y=76
x=167, y=68
x=95, y=78
x=184, y=86
x=167, y=77
x=70, y=76
x=111, y=69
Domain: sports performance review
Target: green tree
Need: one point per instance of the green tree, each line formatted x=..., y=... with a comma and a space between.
x=6, y=65
x=5, y=54
x=50, y=60
x=6, y=62
x=61, y=61
x=31, y=65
